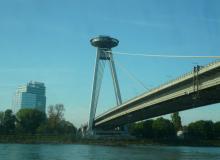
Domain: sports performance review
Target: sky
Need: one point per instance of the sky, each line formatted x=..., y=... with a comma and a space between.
x=48, y=41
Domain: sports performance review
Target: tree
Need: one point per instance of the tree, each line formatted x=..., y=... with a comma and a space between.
x=29, y=120
x=142, y=129
x=163, y=128
x=1, y=117
x=56, y=123
x=55, y=113
x=1, y=122
x=217, y=129
x=148, y=130
x=55, y=117
x=68, y=128
x=137, y=129
x=8, y=122
x=201, y=129
x=176, y=119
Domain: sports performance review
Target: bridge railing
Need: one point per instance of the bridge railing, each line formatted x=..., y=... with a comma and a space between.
x=181, y=77
x=171, y=82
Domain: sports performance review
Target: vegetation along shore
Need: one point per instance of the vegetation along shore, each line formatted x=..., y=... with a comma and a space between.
x=34, y=127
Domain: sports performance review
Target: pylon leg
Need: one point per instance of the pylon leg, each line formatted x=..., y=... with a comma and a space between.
x=115, y=80
x=95, y=91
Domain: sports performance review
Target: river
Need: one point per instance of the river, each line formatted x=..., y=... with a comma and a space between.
x=97, y=152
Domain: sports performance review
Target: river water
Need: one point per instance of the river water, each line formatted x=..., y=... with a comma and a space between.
x=97, y=152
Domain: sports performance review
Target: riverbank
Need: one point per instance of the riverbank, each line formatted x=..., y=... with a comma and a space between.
x=38, y=139
x=69, y=139
x=168, y=142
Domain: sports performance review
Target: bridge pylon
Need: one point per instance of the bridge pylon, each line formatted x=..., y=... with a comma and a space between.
x=104, y=45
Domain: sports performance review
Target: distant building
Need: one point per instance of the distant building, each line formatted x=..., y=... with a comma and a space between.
x=31, y=95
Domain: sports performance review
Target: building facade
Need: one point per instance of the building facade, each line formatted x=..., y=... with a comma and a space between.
x=32, y=95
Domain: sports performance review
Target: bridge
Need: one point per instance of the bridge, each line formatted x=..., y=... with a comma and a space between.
x=194, y=89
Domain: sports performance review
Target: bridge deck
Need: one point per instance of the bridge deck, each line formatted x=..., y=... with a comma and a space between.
x=160, y=98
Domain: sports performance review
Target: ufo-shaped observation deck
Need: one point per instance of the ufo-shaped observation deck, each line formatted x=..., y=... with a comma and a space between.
x=104, y=42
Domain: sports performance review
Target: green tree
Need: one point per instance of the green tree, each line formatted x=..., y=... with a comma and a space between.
x=1, y=122
x=137, y=129
x=29, y=120
x=68, y=128
x=201, y=129
x=176, y=119
x=142, y=129
x=1, y=117
x=148, y=130
x=9, y=122
x=217, y=129
x=163, y=128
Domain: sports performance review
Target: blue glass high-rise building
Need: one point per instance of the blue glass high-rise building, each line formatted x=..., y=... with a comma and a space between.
x=32, y=95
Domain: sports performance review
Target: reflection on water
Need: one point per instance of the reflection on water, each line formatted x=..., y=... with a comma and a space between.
x=96, y=152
